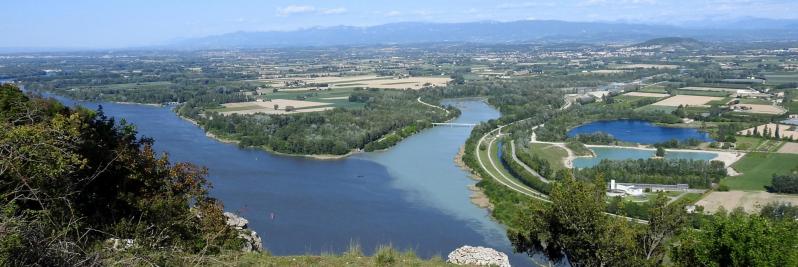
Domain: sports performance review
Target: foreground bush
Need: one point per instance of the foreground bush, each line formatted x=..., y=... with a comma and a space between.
x=72, y=179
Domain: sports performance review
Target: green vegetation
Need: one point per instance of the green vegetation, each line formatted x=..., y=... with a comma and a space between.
x=654, y=89
x=385, y=256
x=72, y=179
x=748, y=143
x=385, y=119
x=787, y=184
x=754, y=101
x=782, y=78
x=552, y=154
x=579, y=149
x=696, y=173
x=574, y=226
x=738, y=239
x=758, y=168
x=700, y=93
x=516, y=170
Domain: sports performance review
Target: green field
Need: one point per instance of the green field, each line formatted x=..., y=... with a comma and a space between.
x=653, y=89
x=720, y=102
x=793, y=106
x=782, y=78
x=553, y=154
x=748, y=143
x=700, y=93
x=758, y=168
x=758, y=144
x=754, y=101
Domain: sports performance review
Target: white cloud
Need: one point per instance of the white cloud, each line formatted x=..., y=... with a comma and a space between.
x=393, y=13
x=332, y=11
x=295, y=9
x=523, y=5
x=617, y=2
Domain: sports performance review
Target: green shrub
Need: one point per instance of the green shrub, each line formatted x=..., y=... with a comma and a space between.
x=385, y=256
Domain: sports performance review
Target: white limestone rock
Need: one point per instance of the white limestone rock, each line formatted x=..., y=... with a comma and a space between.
x=480, y=256
x=253, y=240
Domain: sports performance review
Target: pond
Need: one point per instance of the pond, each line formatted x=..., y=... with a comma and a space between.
x=638, y=131
x=622, y=153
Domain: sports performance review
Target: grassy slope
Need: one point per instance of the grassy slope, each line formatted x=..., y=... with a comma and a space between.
x=385, y=256
x=399, y=259
x=757, y=170
x=553, y=154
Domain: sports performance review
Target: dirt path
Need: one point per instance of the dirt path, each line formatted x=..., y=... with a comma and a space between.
x=431, y=105
x=567, y=161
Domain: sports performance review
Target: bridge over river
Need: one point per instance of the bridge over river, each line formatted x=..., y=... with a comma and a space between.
x=453, y=124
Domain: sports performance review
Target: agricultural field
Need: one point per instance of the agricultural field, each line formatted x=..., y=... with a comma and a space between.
x=754, y=101
x=367, y=81
x=789, y=148
x=644, y=94
x=757, y=144
x=710, y=89
x=687, y=100
x=757, y=170
x=654, y=89
x=275, y=106
x=701, y=93
x=720, y=102
x=759, y=109
x=645, y=66
x=607, y=71
x=751, y=202
x=782, y=78
x=785, y=131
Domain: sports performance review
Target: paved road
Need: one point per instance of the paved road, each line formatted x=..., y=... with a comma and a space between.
x=527, y=168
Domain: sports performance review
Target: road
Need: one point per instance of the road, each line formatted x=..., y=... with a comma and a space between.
x=497, y=173
x=527, y=168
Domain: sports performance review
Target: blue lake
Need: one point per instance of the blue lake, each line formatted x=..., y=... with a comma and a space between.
x=412, y=196
x=637, y=131
x=617, y=153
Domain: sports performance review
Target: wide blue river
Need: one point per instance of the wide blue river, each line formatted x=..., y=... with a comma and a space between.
x=412, y=196
x=637, y=131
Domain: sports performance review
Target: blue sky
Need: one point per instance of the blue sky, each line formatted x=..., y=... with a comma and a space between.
x=117, y=23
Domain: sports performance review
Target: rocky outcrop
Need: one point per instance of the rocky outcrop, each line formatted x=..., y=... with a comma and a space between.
x=480, y=256
x=253, y=241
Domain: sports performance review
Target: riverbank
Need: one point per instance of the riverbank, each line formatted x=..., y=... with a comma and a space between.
x=134, y=103
x=478, y=196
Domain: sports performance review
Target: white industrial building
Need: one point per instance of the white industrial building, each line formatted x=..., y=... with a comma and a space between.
x=617, y=189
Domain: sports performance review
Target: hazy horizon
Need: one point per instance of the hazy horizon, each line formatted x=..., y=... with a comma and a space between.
x=99, y=24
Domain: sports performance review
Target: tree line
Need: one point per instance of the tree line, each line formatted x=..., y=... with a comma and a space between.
x=696, y=173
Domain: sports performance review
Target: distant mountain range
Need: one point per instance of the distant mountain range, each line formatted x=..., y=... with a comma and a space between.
x=537, y=31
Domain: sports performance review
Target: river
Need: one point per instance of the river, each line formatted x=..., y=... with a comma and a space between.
x=412, y=196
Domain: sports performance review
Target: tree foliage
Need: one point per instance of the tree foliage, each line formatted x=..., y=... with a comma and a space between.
x=574, y=228
x=71, y=179
x=738, y=239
